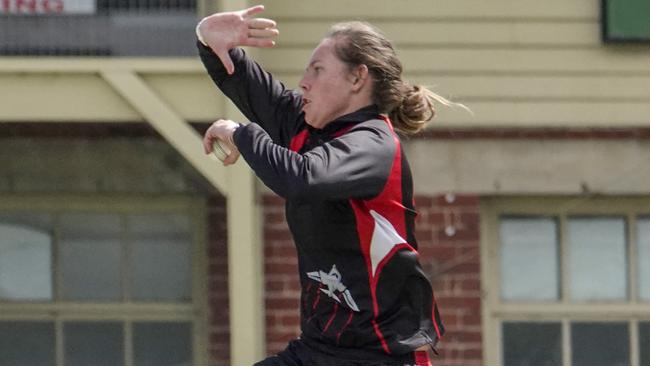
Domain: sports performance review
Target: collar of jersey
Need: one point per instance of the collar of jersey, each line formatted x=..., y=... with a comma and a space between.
x=358, y=116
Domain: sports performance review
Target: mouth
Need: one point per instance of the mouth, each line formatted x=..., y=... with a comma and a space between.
x=305, y=102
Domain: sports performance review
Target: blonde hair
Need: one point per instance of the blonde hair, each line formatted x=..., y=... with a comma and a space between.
x=409, y=107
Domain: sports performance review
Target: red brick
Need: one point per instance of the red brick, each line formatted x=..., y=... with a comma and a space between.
x=281, y=337
x=286, y=277
x=470, y=354
x=293, y=285
x=290, y=320
x=469, y=337
x=219, y=338
x=441, y=252
x=468, y=233
x=283, y=260
x=217, y=251
x=274, y=285
x=470, y=219
x=277, y=234
x=436, y=218
x=458, y=200
x=466, y=267
x=282, y=303
x=275, y=217
x=450, y=320
x=470, y=285
x=272, y=200
x=423, y=201
x=460, y=302
x=424, y=235
x=473, y=318
x=284, y=268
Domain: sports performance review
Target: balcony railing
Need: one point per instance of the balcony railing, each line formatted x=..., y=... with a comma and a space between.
x=97, y=27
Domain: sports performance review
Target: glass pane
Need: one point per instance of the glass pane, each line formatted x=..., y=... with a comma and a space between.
x=600, y=344
x=161, y=263
x=97, y=344
x=643, y=254
x=25, y=258
x=37, y=221
x=529, y=259
x=27, y=343
x=532, y=344
x=90, y=255
x=162, y=344
x=644, y=343
x=597, y=258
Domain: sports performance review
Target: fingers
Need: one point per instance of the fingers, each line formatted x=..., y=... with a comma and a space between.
x=211, y=134
x=263, y=33
x=225, y=60
x=232, y=158
x=261, y=23
x=207, y=143
x=259, y=42
x=246, y=13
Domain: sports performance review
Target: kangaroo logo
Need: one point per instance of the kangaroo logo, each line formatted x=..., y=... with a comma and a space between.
x=333, y=282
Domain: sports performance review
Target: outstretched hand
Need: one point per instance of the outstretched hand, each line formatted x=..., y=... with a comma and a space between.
x=224, y=31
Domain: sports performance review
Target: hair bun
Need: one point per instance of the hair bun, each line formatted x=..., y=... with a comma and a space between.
x=415, y=110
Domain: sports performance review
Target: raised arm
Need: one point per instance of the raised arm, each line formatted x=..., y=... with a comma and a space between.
x=261, y=98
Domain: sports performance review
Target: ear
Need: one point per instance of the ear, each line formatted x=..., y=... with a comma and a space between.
x=359, y=77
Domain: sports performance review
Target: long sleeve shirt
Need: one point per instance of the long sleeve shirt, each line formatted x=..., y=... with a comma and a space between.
x=350, y=209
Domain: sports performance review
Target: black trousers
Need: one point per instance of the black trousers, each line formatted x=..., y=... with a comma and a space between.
x=299, y=354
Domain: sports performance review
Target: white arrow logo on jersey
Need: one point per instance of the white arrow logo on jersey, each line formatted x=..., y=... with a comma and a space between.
x=333, y=282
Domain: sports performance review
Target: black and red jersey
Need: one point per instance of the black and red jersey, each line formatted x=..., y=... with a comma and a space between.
x=350, y=209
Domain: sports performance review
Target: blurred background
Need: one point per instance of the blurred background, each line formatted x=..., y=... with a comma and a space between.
x=121, y=243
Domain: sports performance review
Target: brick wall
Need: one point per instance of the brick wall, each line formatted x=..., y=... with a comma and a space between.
x=282, y=286
x=218, y=314
x=448, y=235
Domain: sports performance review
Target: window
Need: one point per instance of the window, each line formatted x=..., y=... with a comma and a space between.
x=625, y=20
x=105, y=284
x=567, y=282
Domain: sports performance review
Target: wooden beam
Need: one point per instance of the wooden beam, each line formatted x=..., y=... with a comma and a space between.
x=245, y=269
x=245, y=250
x=167, y=122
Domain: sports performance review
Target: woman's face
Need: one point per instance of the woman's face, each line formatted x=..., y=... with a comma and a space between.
x=326, y=86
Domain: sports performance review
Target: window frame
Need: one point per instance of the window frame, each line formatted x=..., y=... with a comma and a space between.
x=564, y=311
x=126, y=312
x=606, y=25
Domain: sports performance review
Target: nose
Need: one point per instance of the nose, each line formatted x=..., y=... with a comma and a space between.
x=304, y=86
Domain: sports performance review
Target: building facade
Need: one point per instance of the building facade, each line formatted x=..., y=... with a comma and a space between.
x=121, y=243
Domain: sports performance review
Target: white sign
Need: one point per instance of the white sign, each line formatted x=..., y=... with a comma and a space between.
x=33, y=7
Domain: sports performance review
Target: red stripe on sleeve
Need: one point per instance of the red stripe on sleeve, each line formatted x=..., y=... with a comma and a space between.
x=298, y=140
x=422, y=359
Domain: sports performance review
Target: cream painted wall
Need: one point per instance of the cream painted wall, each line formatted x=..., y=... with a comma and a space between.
x=529, y=167
x=514, y=63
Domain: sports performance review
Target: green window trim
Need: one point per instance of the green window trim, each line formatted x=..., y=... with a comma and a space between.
x=625, y=21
